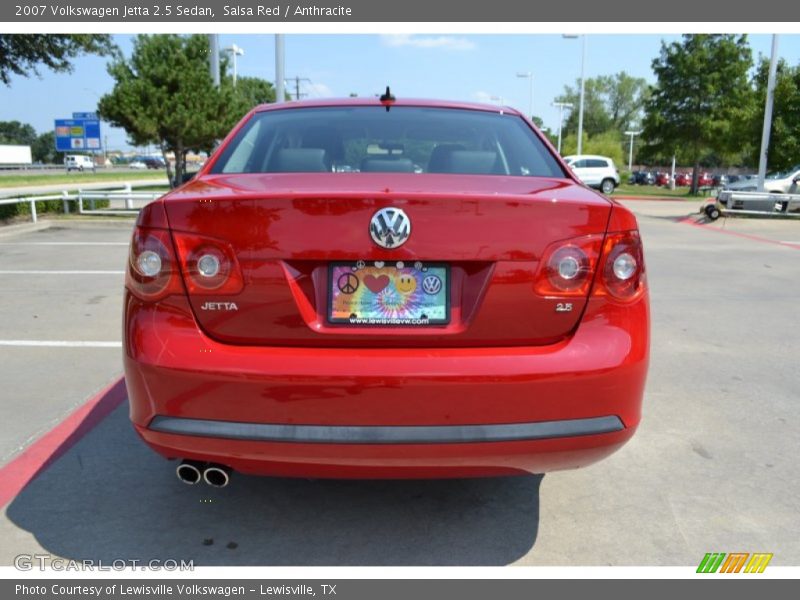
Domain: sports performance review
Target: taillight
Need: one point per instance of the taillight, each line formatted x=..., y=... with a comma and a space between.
x=567, y=267
x=623, y=273
x=152, y=271
x=209, y=265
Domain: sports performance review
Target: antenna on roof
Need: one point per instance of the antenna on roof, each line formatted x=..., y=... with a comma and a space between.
x=387, y=98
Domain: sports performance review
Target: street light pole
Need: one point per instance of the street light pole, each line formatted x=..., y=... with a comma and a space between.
x=234, y=51
x=630, y=151
x=583, y=88
x=561, y=106
x=213, y=55
x=767, y=128
x=529, y=75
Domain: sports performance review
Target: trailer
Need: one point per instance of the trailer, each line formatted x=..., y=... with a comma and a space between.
x=15, y=155
x=732, y=202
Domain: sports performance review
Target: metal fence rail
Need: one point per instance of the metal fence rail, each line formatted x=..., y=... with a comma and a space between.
x=125, y=197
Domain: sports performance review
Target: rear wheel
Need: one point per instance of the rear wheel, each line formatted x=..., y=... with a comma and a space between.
x=607, y=187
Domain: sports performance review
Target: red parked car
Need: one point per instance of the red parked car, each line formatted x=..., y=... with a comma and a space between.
x=683, y=179
x=704, y=180
x=663, y=178
x=311, y=304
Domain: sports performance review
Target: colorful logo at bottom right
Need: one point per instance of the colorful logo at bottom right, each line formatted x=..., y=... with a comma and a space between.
x=734, y=562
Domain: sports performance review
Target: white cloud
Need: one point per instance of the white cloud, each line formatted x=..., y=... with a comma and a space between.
x=446, y=42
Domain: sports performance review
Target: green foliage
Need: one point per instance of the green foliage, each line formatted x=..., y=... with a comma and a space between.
x=16, y=133
x=701, y=93
x=609, y=143
x=164, y=95
x=43, y=149
x=252, y=91
x=784, y=143
x=610, y=102
x=20, y=54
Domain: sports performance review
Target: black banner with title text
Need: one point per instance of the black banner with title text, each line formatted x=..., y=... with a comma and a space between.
x=360, y=11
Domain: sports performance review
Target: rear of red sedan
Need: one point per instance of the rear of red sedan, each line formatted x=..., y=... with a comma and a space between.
x=384, y=289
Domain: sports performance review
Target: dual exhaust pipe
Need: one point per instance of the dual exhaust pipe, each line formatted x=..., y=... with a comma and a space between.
x=191, y=472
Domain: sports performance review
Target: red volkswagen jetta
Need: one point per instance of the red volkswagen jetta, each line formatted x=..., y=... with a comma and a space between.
x=384, y=288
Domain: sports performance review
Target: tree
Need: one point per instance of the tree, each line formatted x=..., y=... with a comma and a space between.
x=784, y=141
x=253, y=91
x=20, y=54
x=16, y=133
x=164, y=95
x=595, y=115
x=701, y=92
x=44, y=149
x=610, y=102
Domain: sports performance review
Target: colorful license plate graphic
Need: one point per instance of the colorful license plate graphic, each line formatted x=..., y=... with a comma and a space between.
x=389, y=293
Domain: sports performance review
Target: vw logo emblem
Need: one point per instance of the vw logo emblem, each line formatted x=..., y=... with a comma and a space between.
x=431, y=284
x=390, y=227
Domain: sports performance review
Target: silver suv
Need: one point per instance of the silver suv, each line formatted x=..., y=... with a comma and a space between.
x=595, y=171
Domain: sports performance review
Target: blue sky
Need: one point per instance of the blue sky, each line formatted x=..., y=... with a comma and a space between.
x=451, y=66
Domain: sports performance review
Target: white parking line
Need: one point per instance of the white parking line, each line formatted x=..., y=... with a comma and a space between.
x=63, y=243
x=60, y=344
x=62, y=272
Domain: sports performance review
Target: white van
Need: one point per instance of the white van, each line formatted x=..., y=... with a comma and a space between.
x=78, y=162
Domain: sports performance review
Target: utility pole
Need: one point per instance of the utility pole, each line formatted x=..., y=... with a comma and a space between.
x=297, y=80
x=280, y=74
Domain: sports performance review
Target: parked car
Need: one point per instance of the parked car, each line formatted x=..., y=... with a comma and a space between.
x=595, y=171
x=284, y=317
x=663, y=178
x=683, y=179
x=720, y=180
x=783, y=182
x=78, y=162
x=643, y=178
x=154, y=163
x=778, y=182
x=704, y=180
x=137, y=164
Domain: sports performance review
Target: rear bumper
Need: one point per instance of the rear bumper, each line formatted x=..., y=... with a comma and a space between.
x=322, y=412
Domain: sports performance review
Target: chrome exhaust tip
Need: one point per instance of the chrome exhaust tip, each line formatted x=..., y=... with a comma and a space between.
x=189, y=472
x=217, y=476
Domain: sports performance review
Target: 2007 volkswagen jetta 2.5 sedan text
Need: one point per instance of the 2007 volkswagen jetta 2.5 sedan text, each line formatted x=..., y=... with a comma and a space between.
x=384, y=288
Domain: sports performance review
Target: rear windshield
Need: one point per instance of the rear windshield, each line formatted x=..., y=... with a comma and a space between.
x=401, y=140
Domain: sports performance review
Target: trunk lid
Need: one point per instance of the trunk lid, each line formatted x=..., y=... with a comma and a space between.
x=286, y=229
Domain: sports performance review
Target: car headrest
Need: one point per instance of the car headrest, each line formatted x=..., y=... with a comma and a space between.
x=387, y=165
x=472, y=162
x=440, y=157
x=302, y=160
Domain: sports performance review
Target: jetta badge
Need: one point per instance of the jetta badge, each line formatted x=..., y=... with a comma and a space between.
x=390, y=227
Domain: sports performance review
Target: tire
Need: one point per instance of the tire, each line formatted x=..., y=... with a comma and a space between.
x=607, y=186
x=712, y=212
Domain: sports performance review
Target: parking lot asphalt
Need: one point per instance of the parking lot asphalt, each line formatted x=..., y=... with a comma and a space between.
x=711, y=469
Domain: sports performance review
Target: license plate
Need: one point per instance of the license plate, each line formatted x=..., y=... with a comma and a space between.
x=389, y=293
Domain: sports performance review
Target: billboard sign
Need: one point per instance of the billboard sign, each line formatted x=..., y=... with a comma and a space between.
x=78, y=134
